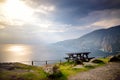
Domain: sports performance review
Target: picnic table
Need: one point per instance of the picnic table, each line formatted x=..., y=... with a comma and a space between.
x=82, y=56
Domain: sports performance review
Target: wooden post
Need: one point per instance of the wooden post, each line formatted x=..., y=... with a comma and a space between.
x=46, y=62
x=87, y=57
x=60, y=62
x=68, y=59
x=80, y=56
x=32, y=63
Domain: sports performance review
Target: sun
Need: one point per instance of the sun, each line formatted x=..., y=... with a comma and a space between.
x=18, y=10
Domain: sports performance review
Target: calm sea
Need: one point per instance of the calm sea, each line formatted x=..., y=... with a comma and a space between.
x=25, y=53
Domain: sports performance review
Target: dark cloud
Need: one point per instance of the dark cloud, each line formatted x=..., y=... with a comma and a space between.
x=72, y=10
x=69, y=11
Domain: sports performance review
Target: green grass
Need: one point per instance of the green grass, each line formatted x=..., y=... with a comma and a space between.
x=105, y=60
x=27, y=72
x=23, y=72
x=68, y=70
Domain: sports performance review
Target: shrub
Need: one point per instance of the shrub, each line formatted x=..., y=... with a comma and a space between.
x=97, y=61
x=115, y=58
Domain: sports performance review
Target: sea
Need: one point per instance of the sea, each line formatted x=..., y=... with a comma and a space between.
x=25, y=53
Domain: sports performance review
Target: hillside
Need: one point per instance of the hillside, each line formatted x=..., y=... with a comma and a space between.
x=98, y=42
x=111, y=69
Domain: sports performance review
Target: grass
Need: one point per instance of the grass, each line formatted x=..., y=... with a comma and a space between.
x=105, y=60
x=26, y=72
x=23, y=72
x=68, y=70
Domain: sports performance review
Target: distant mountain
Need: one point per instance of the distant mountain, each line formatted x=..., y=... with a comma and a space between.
x=98, y=42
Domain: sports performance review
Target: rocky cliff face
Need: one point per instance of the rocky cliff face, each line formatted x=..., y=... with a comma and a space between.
x=106, y=40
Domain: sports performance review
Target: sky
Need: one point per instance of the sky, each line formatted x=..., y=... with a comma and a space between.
x=50, y=21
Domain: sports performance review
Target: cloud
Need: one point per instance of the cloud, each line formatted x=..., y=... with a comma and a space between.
x=2, y=27
x=40, y=6
x=2, y=1
x=17, y=13
x=50, y=27
x=69, y=11
x=59, y=19
x=100, y=19
x=45, y=9
x=107, y=23
x=38, y=27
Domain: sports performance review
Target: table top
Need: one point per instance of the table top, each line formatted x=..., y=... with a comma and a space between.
x=78, y=53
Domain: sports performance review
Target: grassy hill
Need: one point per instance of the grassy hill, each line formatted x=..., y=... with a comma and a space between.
x=18, y=71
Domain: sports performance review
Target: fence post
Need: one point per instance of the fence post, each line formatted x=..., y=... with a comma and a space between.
x=60, y=62
x=46, y=62
x=32, y=63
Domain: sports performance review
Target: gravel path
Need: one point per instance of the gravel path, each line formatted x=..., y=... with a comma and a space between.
x=110, y=71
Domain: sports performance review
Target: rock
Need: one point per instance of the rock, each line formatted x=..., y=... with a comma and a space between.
x=53, y=72
x=51, y=69
x=78, y=66
x=89, y=64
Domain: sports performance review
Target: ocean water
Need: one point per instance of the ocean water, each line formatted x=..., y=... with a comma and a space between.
x=25, y=53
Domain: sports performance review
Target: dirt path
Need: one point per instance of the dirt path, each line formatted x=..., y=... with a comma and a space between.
x=110, y=71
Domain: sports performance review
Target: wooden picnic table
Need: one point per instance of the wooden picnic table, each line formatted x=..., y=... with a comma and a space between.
x=82, y=56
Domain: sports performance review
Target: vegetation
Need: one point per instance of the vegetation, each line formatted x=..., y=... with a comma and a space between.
x=57, y=74
x=98, y=61
x=68, y=68
x=115, y=58
x=18, y=71
x=105, y=60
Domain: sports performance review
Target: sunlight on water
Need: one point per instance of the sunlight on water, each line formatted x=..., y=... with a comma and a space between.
x=25, y=53
x=15, y=52
x=19, y=49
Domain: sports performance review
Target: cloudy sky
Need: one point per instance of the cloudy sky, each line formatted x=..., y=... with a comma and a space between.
x=49, y=21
